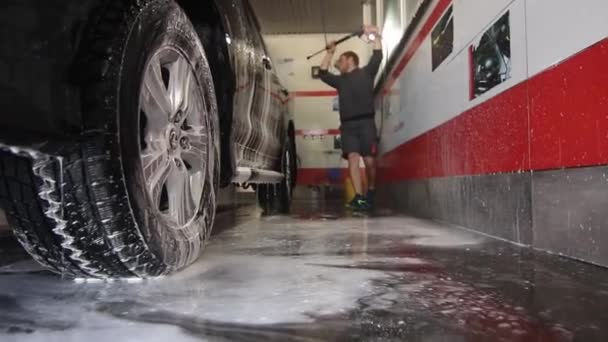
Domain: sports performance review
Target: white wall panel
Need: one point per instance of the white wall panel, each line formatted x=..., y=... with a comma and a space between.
x=558, y=29
x=472, y=17
x=315, y=113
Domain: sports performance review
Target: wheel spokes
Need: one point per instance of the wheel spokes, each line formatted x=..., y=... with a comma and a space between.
x=197, y=135
x=155, y=101
x=180, y=79
x=184, y=191
x=157, y=167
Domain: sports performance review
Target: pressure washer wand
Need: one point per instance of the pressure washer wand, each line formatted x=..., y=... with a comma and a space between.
x=341, y=40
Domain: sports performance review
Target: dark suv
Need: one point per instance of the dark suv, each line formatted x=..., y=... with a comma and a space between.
x=122, y=118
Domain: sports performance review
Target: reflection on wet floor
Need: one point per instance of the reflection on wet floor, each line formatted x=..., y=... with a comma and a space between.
x=320, y=275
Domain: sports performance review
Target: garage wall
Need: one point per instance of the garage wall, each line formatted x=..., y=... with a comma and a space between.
x=316, y=121
x=524, y=160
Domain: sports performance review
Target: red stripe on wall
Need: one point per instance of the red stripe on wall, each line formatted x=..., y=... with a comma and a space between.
x=319, y=176
x=323, y=176
x=314, y=93
x=302, y=132
x=560, y=115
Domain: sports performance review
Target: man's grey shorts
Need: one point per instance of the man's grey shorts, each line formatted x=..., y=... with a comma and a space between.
x=359, y=136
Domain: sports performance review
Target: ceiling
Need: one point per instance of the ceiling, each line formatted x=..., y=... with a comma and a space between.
x=306, y=16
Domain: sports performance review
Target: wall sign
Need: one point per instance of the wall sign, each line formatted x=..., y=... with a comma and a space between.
x=335, y=104
x=442, y=38
x=314, y=72
x=491, y=58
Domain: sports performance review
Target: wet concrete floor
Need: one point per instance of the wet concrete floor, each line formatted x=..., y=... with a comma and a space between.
x=320, y=275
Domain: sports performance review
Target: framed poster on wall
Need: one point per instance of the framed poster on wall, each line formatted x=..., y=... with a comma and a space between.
x=442, y=38
x=314, y=72
x=491, y=58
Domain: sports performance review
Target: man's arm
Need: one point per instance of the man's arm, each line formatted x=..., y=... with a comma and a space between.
x=374, y=62
x=324, y=74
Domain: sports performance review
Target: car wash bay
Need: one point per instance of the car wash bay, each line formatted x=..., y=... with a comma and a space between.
x=491, y=221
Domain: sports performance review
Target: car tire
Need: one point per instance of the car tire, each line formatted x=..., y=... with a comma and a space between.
x=276, y=198
x=138, y=191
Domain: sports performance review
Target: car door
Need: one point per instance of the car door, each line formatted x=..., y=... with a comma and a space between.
x=243, y=60
x=263, y=145
x=255, y=119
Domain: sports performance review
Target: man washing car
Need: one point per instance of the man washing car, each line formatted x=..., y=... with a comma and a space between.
x=355, y=88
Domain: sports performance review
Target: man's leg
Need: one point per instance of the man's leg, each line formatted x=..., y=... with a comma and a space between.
x=350, y=150
x=351, y=147
x=355, y=173
x=359, y=202
x=370, y=171
x=369, y=141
